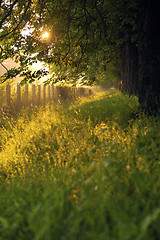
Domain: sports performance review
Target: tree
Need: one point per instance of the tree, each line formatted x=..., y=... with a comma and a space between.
x=141, y=57
x=149, y=55
x=78, y=38
x=87, y=38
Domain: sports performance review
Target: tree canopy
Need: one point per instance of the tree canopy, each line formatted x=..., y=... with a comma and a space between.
x=84, y=36
x=87, y=39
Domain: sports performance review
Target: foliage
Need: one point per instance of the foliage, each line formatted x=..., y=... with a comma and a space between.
x=84, y=36
x=80, y=171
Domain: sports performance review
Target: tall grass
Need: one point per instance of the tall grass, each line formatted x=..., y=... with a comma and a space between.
x=85, y=170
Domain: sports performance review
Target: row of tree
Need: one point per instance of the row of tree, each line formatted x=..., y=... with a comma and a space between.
x=89, y=40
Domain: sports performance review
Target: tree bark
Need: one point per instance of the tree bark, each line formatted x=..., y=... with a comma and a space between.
x=141, y=60
x=129, y=66
x=149, y=55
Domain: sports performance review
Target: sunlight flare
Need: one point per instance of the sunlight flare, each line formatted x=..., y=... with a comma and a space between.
x=45, y=35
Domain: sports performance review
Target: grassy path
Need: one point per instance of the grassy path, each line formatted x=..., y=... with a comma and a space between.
x=80, y=171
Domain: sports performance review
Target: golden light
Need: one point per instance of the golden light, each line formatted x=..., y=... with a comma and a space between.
x=45, y=35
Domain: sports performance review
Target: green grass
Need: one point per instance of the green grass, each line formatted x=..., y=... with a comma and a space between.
x=85, y=170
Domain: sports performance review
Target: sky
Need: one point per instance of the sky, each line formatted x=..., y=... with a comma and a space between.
x=11, y=64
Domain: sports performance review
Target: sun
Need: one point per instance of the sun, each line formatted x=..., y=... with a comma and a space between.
x=45, y=35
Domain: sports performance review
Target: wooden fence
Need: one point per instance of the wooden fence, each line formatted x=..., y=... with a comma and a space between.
x=39, y=94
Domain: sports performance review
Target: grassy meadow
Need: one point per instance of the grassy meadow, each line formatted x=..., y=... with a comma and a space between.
x=82, y=170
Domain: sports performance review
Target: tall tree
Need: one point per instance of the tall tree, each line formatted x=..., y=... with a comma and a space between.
x=87, y=38
x=149, y=55
x=141, y=56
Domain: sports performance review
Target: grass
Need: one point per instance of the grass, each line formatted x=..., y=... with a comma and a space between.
x=85, y=170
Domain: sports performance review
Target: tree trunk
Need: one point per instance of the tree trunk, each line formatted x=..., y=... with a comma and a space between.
x=129, y=66
x=149, y=55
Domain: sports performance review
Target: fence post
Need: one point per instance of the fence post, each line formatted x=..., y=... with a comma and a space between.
x=8, y=92
x=90, y=92
x=18, y=94
x=26, y=94
x=75, y=92
x=57, y=93
x=52, y=92
x=39, y=94
x=33, y=94
x=44, y=94
x=49, y=93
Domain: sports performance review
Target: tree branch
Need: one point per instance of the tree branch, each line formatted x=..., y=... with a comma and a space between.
x=8, y=14
x=23, y=16
x=101, y=17
x=4, y=66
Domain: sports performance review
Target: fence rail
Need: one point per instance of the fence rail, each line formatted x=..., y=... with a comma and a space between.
x=39, y=94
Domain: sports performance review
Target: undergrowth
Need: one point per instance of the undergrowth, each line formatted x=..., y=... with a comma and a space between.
x=83, y=170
